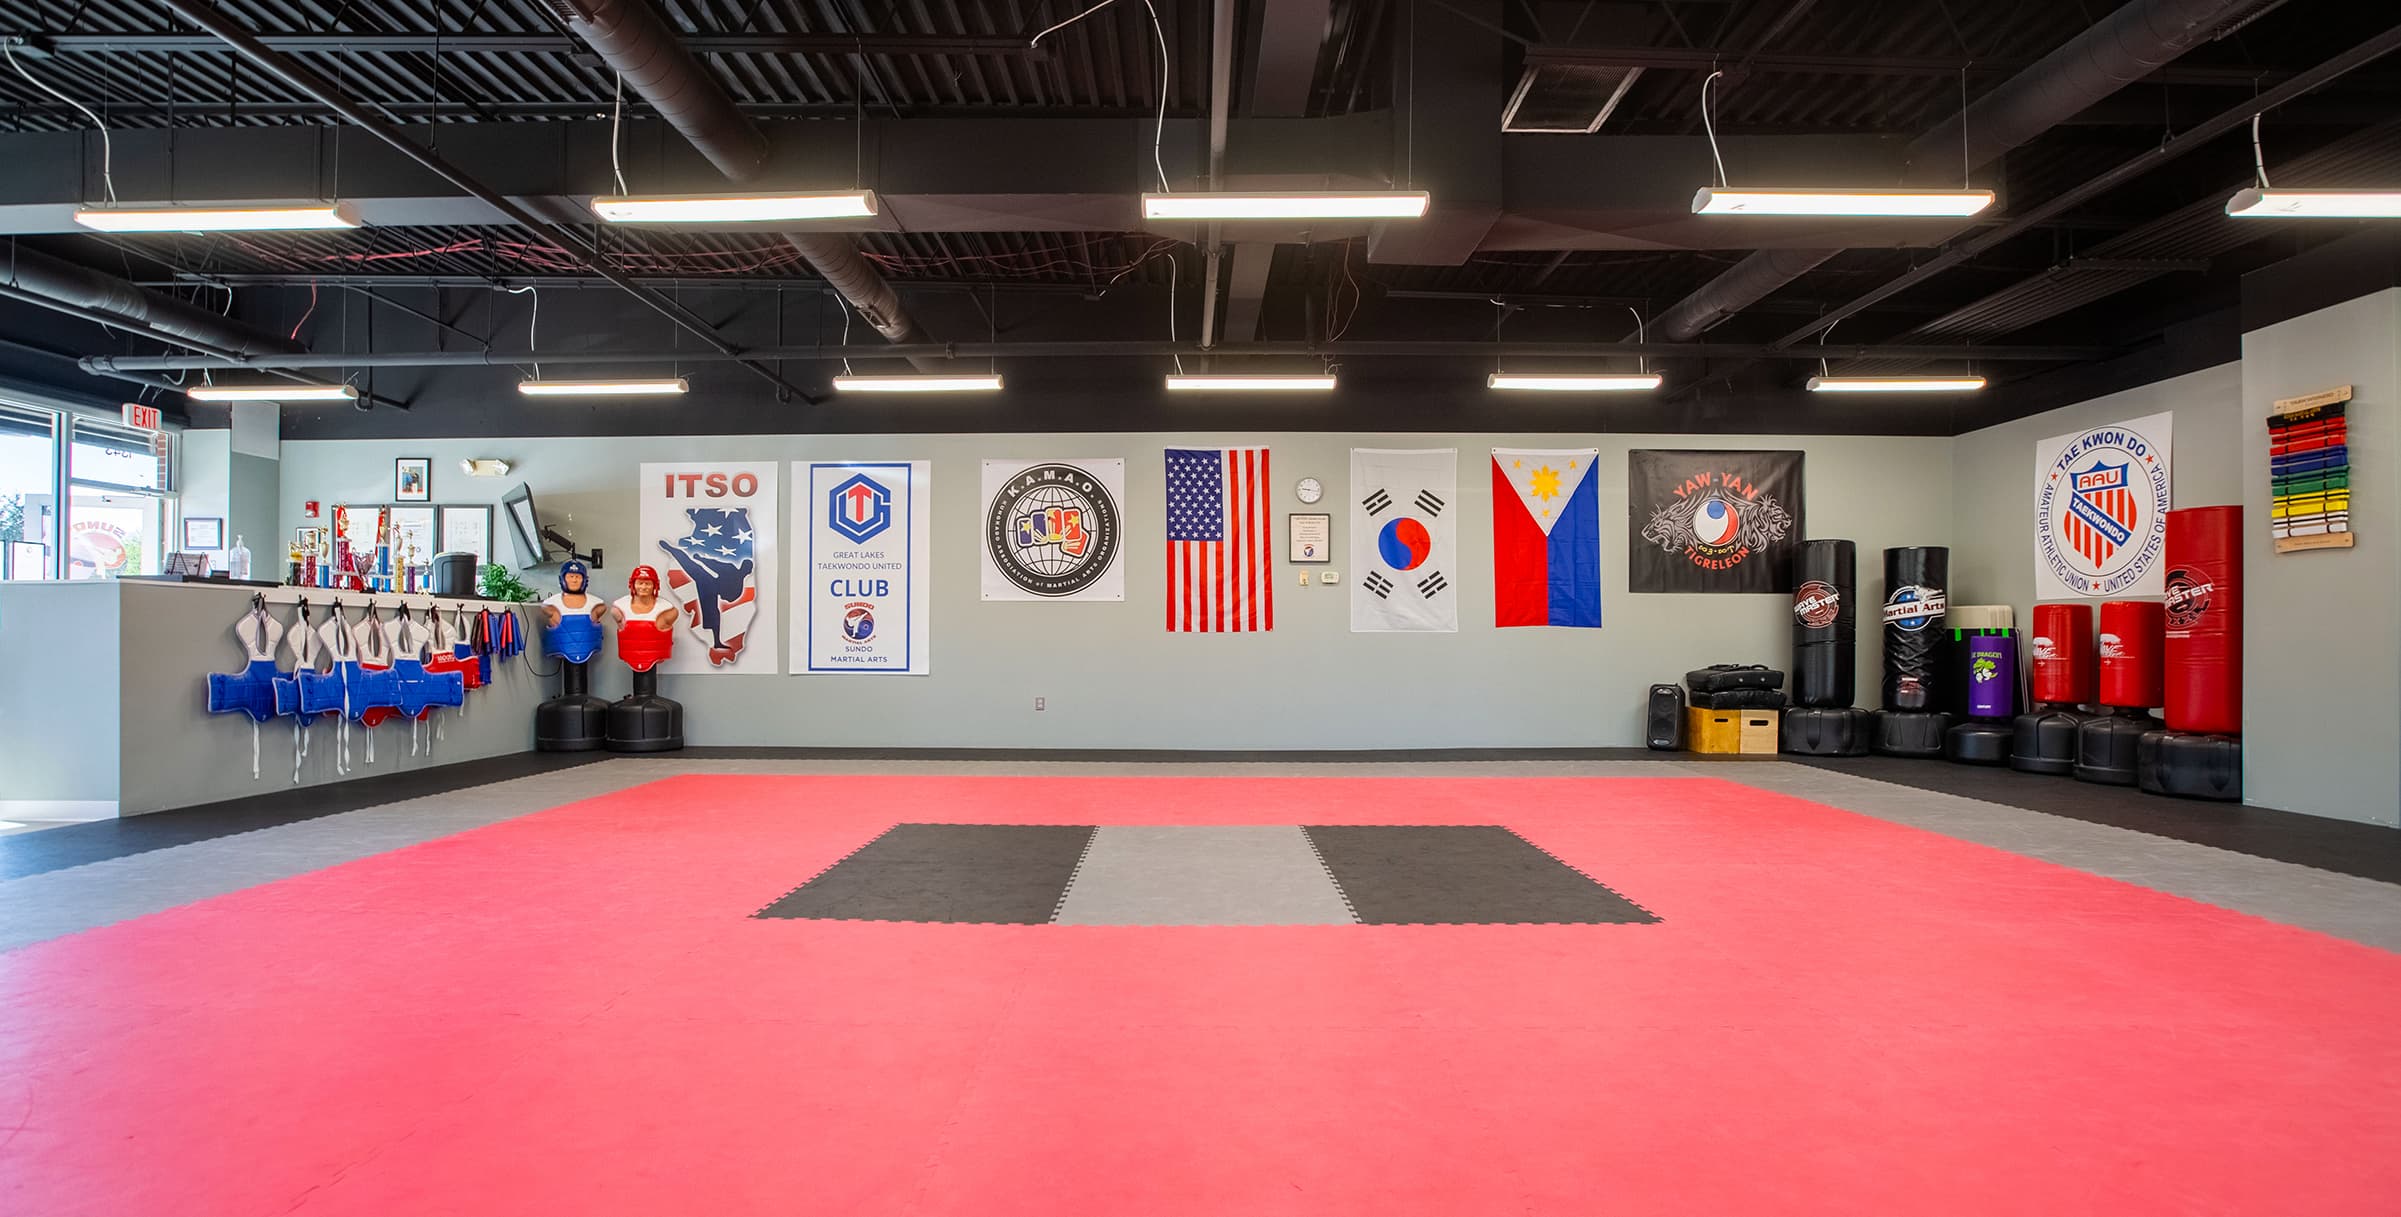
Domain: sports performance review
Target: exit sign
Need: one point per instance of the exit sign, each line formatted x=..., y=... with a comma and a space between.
x=145, y=418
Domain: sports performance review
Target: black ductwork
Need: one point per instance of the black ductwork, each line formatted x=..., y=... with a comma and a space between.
x=2122, y=48
x=636, y=43
x=50, y=278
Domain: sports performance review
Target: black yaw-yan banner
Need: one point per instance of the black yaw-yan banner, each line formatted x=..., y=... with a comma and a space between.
x=1712, y=521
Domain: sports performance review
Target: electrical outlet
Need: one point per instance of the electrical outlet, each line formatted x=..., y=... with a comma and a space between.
x=1041, y=703
x=1330, y=577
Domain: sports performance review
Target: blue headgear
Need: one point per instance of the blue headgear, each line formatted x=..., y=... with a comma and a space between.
x=573, y=567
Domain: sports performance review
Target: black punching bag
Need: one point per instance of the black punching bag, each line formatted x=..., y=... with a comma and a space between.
x=1825, y=625
x=1916, y=596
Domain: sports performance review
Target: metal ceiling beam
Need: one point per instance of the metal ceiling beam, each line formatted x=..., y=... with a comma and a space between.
x=1092, y=350
x=525, y=44
x=307, y=81
x=2223, y=122
x=1705, y=59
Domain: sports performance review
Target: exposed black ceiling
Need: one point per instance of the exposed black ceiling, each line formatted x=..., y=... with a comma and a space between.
x=1010, y=176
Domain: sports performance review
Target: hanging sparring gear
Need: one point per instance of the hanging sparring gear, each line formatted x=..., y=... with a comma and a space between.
x=642, y=642
x=252, y=690
x=307, y=649
x=377, y=648
x=422, y=690
x=451, y=651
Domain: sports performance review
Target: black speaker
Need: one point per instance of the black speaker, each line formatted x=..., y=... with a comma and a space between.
x=1665, y=731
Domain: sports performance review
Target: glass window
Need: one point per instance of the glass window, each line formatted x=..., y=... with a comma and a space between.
x=116, y=457
x=28, y=492
x=119, y=508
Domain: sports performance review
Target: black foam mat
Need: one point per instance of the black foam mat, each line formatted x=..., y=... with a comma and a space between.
x=1008, y=874
x=1461, y=874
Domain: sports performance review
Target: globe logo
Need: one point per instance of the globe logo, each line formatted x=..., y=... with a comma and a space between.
x=1052, y=530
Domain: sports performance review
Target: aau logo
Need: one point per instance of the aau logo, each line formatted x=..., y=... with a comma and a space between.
x=2101, y=516
x=859, y=508
x=1052, y=530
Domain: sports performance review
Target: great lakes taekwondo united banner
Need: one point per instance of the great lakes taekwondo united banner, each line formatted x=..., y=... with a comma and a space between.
x=868, y=544
x=1053, y=530
x=1712, y=520
x=709, y=528
x=2101, y=510
x=1404, y=539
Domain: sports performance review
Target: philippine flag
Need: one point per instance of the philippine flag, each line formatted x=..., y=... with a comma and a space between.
x=1546, y=537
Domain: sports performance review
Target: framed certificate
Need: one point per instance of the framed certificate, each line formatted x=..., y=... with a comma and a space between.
x=1312, y=537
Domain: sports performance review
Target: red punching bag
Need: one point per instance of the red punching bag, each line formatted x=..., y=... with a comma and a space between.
x=2063, y=653
x=2204, y=655
x=2132, y=632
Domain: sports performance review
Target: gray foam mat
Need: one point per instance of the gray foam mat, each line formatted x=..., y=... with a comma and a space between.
x=988, y=873
x=1173, y=874
x=1461, y=875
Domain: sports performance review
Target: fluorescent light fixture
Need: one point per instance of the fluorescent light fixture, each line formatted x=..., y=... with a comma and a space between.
x=1895, y=384
x=1287, y=205
x=669, y=387
x=2255, y=203
x=1549, y=383
x=917, y=384
x=217, y=219
x=290, y=392
x=735, y=208
x=1727, y=201
x=1249, y=384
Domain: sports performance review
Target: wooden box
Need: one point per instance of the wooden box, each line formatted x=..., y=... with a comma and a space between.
x=1732, y=732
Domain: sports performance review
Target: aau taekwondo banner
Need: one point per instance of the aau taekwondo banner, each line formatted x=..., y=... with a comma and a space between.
x=709, y=528
x=2101, y=510
x=1053, y=530
x=1546, y=537
x=1711, y=520
x=1404, y=539
x=868, y=547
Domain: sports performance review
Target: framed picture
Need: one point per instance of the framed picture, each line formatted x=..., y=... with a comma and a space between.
x=468, y=529
x=413, y=479
x=193, y=564
x=312, y=540
x=1312, y=537
x=203, y=532
x=412, y=536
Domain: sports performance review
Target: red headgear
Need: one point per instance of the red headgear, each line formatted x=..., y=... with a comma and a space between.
x=640, y=573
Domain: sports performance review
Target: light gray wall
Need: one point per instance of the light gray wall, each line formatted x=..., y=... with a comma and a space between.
x=58, y=701
x=251, y=509
x=1113, y=678
x=177, y=755
x=2322, y=672
x=1992, y=475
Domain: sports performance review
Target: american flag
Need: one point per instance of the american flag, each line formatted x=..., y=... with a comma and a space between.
x=1220, y=557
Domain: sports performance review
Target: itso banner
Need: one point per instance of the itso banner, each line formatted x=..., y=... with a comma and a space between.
x=1404, y=539
x=1053, y=530
x=2101, y=510
x=869, y=552
x=709, y=526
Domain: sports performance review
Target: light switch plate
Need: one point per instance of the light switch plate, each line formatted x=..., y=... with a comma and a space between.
x=1329, y=576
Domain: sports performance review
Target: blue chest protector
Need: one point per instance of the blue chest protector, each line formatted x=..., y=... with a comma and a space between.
x=253, y=690
x=576, y=638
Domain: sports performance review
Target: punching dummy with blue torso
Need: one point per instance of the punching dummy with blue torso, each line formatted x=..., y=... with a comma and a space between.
x=571, y=633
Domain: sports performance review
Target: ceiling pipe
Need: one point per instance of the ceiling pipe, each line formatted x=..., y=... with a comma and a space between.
x=1104, y=349
x=636, y=43
x=80, y=288
x=2120, y=49
x=322, y=91
x=1221, y=109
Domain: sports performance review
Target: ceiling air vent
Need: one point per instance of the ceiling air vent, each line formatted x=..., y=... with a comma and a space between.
x=1566, y=98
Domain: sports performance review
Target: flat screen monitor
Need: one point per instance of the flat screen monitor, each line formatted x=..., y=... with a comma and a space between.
x=525, y=526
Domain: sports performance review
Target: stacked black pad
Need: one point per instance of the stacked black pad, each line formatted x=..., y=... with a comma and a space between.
x=1665, y=730
x=1726, y=677
x=2191, y=765
x=1825, y=626
x=1741, y=699
x=1828, y=731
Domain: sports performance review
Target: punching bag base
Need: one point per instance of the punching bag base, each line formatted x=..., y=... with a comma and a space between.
x=2192, y=766
x=646, y=724
x=1978, y=743
x=570, y=724
x=1828, y=731
x=2046, y=740
x=1911, y=732
x=2107, y=749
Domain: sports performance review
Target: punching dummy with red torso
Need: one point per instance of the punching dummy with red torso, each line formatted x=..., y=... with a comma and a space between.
x=645, y=621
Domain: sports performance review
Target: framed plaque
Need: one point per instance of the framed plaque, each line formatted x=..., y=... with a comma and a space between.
x=1312, y=537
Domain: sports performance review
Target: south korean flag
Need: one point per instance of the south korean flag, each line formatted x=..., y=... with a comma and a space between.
x=1404, y=539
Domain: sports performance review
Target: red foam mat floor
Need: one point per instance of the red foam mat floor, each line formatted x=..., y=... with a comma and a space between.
x=574, y=1012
